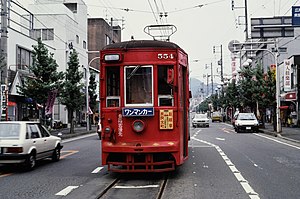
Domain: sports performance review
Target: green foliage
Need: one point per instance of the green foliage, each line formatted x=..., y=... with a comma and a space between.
x=203, y=107
x=44, y=78
x=251, y=88
x=71, y=94
x=92, y=92
x=231, y=95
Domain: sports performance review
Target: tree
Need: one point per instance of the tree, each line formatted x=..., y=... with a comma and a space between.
x=44, y=78
x=92, y=93
x=71, y=94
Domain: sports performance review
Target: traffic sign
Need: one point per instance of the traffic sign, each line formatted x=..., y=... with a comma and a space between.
x=234, y=46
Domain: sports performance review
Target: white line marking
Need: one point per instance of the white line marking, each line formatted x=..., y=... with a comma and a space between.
x=79, y=137
x=228, y=124
x=222, y=139
x=97, y=170
x=136, y=187
x=277, y=141
x=66, y=190
x=244, y=183
x=201, y=146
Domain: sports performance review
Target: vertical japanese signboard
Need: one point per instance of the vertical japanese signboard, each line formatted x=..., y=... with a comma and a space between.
x=166, y=119
x=296, y=15
x=287, y=75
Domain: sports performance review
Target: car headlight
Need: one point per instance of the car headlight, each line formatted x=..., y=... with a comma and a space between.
x=138, y=126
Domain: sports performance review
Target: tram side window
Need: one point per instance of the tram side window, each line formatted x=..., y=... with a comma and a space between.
x=165, y=85
x=113, y=86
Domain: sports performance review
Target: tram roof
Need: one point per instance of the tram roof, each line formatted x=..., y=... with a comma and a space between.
x=142, y=44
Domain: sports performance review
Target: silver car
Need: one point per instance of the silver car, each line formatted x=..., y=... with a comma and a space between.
x=24, y=142
x=200, y=120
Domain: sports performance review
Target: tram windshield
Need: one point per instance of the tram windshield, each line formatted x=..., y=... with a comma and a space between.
x=139, y=86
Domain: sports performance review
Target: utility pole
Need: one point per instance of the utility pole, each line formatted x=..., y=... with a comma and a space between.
x=246, y=15
x=246, y=20
x=3, y=47
x=212, y=79
x=207, y=84
x=220, y=62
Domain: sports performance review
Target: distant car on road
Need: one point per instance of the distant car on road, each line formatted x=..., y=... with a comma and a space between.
x=200, y=120
x=246, y=122
x=216, y=116
x=24, y=142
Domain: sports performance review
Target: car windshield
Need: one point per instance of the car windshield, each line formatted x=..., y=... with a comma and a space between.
x=216, y=114
x=200, y=116
x=9, y=131
x=249, y=116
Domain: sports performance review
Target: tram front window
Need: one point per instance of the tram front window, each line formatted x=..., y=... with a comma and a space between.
x=138, y=81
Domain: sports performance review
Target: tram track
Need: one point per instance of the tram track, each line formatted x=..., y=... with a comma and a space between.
x=108, y=190
x=162, y=187
x=111, y=185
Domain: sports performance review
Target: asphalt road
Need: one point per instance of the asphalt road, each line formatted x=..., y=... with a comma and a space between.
x=222, y=164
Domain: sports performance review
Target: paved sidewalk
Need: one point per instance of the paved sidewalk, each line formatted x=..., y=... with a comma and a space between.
x=289, y=133
x=77, y=132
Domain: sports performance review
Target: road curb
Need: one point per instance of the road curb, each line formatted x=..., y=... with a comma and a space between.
x=279, y=135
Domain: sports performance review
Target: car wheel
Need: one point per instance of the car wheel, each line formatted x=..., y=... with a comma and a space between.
x=30, y=162
x=56, y=154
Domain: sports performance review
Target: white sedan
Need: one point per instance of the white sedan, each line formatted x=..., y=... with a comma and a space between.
x=200, y=120
x=24, y=142
x=246, y=122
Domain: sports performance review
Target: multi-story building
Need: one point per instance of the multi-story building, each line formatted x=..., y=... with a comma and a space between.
x=62, y=24
x=100, y=34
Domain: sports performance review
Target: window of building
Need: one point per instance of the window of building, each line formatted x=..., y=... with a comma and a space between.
x=113, y=86
x=72, y=7
x=84, y=45
x=107, y=40
x=44, y=34
x=77, y=39
x=24, y=58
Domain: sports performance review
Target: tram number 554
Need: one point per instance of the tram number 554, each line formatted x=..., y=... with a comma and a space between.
x=165, y=56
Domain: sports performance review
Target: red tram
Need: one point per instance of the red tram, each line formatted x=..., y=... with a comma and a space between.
x=144, y=92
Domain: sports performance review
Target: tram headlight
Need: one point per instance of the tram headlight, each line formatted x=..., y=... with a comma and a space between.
x=112, y=57
x=138, y=126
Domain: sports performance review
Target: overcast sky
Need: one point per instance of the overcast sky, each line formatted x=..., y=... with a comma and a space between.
x=201, y=24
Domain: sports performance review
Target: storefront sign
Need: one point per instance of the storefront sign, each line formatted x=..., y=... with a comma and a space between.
x=287, y=75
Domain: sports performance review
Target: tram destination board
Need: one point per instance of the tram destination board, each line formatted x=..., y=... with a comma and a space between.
x=132, y=112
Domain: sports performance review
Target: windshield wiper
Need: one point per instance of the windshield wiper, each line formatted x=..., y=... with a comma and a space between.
x=133, y=72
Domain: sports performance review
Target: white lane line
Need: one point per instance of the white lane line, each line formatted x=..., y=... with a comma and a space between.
x=201, y=146
x=78, y=138
x=222, y=139
x=136, y=187
x=244, y=183
x=296, y=147
x=66, y=190
x=97, y=170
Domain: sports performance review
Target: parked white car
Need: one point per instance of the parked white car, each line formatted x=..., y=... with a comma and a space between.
x=24, y=142
x=200, y=120
x=246, y=122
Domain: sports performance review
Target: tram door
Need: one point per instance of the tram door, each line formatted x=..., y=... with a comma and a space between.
x=183, y=106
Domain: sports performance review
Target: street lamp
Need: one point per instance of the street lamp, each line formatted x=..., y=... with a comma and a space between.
x=87, y=77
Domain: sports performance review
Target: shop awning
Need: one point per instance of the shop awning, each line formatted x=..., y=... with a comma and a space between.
x=283, y=107
x=290, y=96
x=12, y=103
